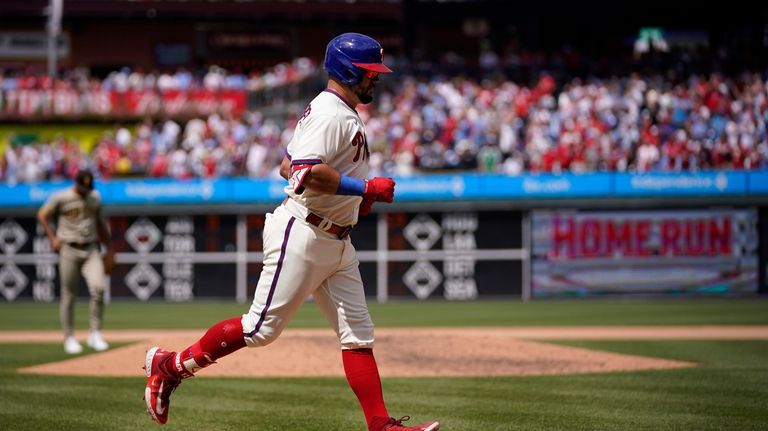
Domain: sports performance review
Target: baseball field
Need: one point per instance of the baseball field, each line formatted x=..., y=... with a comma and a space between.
x=673, y=364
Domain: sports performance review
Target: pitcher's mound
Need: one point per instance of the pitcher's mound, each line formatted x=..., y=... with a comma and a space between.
x=399, y=353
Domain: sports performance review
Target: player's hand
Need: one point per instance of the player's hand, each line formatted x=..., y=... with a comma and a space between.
x=379, y=189
x=366, y=206
x=55, y=244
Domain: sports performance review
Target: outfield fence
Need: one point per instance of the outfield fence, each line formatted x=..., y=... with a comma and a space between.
x=451, y=236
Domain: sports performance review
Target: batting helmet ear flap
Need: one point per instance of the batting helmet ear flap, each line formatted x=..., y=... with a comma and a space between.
x=338, y=65
x=349, y=55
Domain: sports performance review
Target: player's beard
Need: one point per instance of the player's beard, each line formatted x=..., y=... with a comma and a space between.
x=365, y=98
x=364, y=93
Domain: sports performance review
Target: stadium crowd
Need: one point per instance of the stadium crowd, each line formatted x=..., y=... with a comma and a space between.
x=213, y=78
x=635, y=123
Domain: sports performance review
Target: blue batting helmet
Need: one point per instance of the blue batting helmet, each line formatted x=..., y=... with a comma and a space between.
x=349, y=55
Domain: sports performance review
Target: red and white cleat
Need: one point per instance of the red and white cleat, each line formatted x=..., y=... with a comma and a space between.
x=160, y=384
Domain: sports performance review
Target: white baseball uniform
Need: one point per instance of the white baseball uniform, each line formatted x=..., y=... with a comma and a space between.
x=303, y=258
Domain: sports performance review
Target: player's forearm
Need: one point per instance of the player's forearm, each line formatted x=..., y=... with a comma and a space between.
x=323, y=179
x=285, y=168
x=42, y=218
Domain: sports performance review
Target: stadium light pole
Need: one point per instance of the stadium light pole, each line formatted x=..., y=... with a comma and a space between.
x=54, y=11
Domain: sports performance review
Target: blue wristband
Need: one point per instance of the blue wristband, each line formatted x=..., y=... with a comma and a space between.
x=350, y=186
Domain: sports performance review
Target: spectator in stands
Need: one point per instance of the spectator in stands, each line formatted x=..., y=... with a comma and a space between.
x=632, y=123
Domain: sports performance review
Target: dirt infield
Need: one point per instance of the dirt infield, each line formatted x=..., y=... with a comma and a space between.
x=405, y=352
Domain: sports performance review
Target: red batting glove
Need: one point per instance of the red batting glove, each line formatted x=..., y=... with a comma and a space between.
x=366, y=206
x=380, y=189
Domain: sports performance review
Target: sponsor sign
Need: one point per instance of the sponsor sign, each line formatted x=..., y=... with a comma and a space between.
x=681, y=184
x=592, y=253
x=422, y=188
x=67, y=103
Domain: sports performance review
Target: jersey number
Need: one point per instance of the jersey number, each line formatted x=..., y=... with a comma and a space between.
x=361, y=143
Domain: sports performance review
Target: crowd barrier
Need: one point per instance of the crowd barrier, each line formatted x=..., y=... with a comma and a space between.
x=454, y=237
x=445, y=187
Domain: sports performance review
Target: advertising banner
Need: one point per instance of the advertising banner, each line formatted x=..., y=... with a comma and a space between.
x=758, y=182
x=415, y=189
x=484, y=186
x=69, y=103
x=164, y=190
x=712, y=183
x=580, y=253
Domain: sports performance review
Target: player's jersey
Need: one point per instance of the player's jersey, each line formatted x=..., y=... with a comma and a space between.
x=76, y=218
x=330, y=132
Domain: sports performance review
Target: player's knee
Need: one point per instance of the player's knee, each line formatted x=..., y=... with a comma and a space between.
x=261, y=338
x=97, y=294
x=96, y=287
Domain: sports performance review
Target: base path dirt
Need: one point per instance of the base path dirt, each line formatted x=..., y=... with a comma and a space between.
x=400, y=352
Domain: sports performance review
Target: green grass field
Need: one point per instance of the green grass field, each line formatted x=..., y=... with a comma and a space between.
x=727, y=391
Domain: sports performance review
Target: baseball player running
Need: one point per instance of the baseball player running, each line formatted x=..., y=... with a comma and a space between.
x=79, y=223
x=307, y=249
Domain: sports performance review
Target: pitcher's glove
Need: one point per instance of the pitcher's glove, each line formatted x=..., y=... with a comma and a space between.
x=109, y=262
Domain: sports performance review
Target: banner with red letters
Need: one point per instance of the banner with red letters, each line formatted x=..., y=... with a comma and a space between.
x=34, y=104
x=581, y=253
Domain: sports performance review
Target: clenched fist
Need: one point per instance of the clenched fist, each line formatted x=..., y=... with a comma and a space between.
x=379, y=189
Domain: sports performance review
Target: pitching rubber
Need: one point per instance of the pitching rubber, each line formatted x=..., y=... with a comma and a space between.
x=434, y=427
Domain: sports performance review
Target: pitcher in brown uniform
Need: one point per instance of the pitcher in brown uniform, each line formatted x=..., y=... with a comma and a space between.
x=80, y=228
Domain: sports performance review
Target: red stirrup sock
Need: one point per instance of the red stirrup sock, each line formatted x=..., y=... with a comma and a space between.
x=363, y=377
x=221, y=339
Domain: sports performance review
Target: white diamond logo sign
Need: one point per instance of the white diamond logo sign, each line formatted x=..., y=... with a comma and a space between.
x=143, y=235
x=12, y=281
x=422, y=278
x=12, y=236
x=143, y=280
x=422, y=232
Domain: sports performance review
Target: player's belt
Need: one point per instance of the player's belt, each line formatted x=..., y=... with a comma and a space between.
x=340, y=231
x=80, y=245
